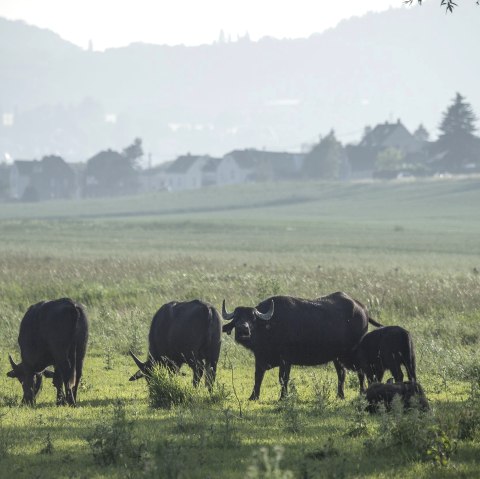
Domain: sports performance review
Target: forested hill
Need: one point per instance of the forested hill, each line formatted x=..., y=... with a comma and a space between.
x=272, y=93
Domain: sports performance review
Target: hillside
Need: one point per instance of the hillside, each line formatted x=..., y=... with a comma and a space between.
x=278, y=94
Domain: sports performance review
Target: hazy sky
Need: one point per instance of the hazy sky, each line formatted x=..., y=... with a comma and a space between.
x=112, y=23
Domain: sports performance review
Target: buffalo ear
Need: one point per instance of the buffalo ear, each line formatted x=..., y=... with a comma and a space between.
x=48, y=373
x=139, y=374
x=12, y=374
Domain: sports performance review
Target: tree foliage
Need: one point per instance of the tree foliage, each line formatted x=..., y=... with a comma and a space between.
x=457, y=142
x=448, y=4
x=110, y=173
x=133, y=152
x=325, y=158
x=389, y=159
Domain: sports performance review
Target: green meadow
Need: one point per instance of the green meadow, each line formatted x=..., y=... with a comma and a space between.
x=410, y=250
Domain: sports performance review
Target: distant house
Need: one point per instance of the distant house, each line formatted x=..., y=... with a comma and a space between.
x=210, y=171
x=185, y=173
x=362, y=157
x=243, y=166
x=154, y=179
x=4, y=180
x=236, y=167
x=49, y=178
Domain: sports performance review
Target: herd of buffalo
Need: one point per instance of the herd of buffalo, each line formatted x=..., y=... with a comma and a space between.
x=281, y=331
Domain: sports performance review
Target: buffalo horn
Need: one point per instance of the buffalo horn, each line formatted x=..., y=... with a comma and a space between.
x=12, y=362
x=139, y=363
x=226, y=316
x=265, y=316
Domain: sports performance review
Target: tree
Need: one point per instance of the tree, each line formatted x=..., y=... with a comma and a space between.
x=110, y=173
x=421, y=134
x=457, y=145
x=448, y=4
x=325, y=158
x=133, y=152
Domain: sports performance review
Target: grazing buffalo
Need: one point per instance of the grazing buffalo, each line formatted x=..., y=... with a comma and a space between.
x=187, y=332
x=379, y=393
x=52, y=333
x=282, y=331
x=383, y=349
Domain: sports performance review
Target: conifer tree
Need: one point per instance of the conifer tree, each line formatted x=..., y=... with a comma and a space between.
x=457, y=142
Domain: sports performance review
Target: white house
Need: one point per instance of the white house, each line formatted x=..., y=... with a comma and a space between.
x=236, y=167
x=243, y=166
x=209, y=171
x=185, y=173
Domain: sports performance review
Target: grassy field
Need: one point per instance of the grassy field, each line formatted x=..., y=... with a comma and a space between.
x=410, y=250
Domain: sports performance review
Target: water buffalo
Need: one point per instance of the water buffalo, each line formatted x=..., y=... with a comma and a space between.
x=184, y=332
x=383, y=349
x=282, y=331
x=379, y=393
x=52, y=333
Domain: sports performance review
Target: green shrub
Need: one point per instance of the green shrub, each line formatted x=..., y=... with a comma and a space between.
x=413, y=434
x=167, y=389
x=112, y=441
x=323, y=392
x=288, y=406
x=359, y=418
x=168, y=462
x=469, y=419
x=48, y=447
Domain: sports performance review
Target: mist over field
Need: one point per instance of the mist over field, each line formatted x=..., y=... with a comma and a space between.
x=240, y=171
x=210, y=99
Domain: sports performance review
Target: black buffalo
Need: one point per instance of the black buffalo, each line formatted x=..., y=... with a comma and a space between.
x=52, y=333
x=386, y=348
x=185, y=332
x=282, y=331
x=379, y=393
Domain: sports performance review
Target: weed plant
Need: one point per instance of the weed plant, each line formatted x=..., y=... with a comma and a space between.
x=167, y=389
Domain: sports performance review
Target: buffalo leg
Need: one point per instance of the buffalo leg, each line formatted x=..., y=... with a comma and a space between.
x=65, y=369
x=79, y=356
x=377, y=375
x=259, y=373
x=341, y=379
x=78, y=376
x=361, y=381
x=210, y=374
x=197, y=373
x=283, y=377
x=397, y=373
x=58, y=383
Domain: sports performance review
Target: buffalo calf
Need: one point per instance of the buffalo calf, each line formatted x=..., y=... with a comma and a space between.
x=52, y=333
x=379, y=393
x=386, y=348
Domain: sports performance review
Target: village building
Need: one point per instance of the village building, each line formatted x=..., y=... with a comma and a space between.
x=48, y=178
x=362, y=157
x=250, y=165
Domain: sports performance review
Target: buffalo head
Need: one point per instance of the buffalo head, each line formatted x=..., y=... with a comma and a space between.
x=245, y=321
x=144, y=368
x=31, y=381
